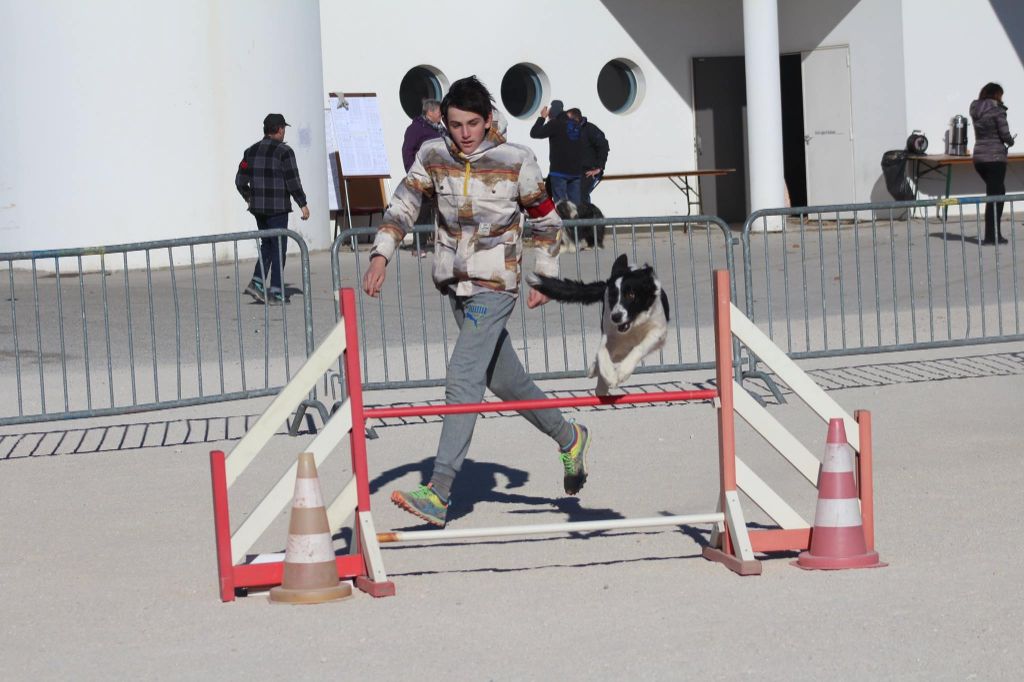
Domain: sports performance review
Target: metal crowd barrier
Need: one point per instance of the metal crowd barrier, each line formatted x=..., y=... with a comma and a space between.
x=132, y=327
x=408, y=333
x=865, y=278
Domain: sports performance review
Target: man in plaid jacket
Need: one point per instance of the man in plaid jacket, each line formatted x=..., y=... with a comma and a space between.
x=268, y=179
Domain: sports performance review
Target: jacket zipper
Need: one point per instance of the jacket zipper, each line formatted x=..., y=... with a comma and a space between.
x=465, y=181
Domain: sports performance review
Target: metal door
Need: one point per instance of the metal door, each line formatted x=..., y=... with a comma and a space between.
x=828, y=126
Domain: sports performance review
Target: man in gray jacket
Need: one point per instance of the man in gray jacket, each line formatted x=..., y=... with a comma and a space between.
x=991, y=138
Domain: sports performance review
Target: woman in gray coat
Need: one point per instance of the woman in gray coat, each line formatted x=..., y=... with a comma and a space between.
x=991, y=138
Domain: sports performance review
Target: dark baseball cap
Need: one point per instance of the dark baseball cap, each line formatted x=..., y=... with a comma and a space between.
x=275, y=121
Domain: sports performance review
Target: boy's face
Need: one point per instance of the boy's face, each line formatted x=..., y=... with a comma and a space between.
x=467, y=128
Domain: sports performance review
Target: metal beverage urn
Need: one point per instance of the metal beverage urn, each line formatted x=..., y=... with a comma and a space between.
x=958, y=136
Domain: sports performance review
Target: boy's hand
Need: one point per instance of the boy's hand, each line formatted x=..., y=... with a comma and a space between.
x=544, y=112
x=373, y=279
x=536, y=299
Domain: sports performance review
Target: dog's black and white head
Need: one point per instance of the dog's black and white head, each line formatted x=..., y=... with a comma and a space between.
x=631, y=294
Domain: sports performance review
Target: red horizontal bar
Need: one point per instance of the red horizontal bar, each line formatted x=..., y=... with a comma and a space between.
x=518, y=405
x=271, y=573
x=780, y=540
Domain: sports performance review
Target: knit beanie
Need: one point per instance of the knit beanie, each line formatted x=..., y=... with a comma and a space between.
x=556, y=108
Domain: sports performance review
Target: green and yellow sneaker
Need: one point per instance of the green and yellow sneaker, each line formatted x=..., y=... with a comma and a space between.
x=255, y=289
x=424, y=503
x=575, y=459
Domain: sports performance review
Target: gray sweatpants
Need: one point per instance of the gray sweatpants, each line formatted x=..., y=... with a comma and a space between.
x=484, y=358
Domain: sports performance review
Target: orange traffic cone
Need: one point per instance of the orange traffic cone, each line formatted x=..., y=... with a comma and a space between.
x=310, y=570
x=837, y=540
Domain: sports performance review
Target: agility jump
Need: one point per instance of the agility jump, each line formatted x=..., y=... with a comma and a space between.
x=732, y=544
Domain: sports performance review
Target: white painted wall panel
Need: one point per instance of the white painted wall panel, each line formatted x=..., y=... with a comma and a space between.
x=126, y=120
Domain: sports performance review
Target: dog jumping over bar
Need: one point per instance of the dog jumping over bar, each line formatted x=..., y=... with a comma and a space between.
x=634, y=318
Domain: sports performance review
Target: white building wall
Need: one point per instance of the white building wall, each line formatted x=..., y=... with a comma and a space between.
x=125, y=121
x=951, y=49
x=872, y=29
x=369, y=47
x=573, y=39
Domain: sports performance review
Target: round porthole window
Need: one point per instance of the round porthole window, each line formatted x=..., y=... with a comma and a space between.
x=522, y=90
x=620, y=86
x=420, y=83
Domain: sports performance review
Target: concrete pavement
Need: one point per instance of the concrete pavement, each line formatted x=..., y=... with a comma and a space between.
x=108, y=569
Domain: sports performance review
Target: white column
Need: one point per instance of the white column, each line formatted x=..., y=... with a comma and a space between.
x=764, y=107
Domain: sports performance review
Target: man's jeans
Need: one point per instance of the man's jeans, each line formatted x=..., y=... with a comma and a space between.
x=565, y=188
x=272, y=252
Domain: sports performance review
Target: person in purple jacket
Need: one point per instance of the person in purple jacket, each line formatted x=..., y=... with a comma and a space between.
x=991, y=138
x=422, y=128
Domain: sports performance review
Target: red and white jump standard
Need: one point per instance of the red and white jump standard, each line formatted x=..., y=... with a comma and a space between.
x=732, y=544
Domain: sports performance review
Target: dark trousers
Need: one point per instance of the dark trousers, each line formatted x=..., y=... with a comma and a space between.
x=272, y=251
x=994, y=175
x=563, y=188
x=483, y=357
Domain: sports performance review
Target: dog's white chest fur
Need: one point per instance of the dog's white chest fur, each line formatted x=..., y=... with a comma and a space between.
x=634, y=321
x=621, y=351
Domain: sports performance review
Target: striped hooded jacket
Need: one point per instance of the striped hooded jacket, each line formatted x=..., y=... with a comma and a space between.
x=481, y=200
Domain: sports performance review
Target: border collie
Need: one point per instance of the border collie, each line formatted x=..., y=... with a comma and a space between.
x=634, y=319
x=592, y=236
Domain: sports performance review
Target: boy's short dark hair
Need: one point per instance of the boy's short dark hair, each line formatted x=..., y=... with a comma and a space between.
x=468, y=94
x=574, y=112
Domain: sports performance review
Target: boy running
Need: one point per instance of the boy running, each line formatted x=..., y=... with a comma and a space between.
x=482, y=185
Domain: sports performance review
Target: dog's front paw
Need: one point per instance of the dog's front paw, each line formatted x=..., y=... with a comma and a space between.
x=625, y=369
x=607, y=372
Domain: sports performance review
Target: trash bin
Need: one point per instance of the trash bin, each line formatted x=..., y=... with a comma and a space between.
x=894, y=169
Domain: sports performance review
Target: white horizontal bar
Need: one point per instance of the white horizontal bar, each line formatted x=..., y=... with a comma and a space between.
x=540, y=529
x=281, y=407
x=770, y=502
x=776, y=434
x=791, y=374
x=274, y=502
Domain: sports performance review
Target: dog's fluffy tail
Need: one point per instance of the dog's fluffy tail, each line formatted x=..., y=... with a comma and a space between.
x=568, y=290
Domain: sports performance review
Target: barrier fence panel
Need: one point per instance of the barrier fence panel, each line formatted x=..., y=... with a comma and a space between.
x=858, y=278
x=408, y=333
x=133, y=327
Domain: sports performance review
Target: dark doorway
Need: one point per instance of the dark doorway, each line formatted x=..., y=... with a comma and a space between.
x=794, y=159
x=720, y=110
x=720, y=101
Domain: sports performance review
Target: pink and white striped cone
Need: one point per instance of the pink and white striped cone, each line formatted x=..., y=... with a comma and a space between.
x=837, y=540
x=310, y=569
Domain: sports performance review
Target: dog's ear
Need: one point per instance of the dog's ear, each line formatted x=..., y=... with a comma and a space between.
x=620, y=267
